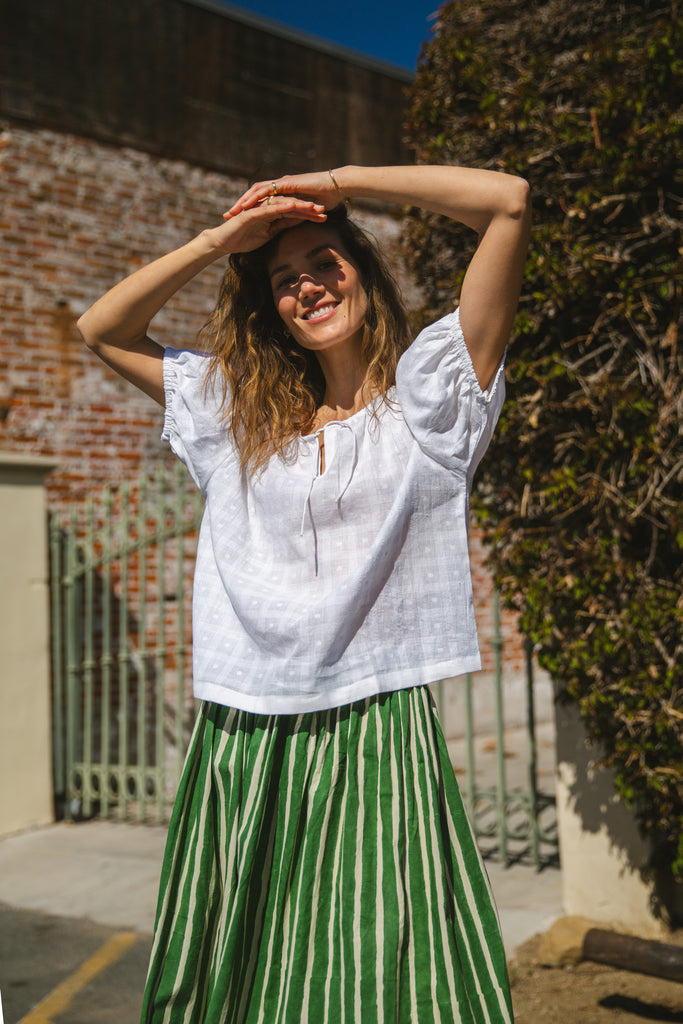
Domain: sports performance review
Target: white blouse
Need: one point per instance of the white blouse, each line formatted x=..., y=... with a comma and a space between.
x=315, y=589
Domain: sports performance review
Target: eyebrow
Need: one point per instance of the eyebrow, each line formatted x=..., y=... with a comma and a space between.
x=309, y=256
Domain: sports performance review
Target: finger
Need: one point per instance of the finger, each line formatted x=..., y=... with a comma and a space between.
x=260, y=190
x=278, y=220
x=290, y=220
x=277, y=205
x=254, y=195
x=284, y=223
x=295, y=211
x=243, y=203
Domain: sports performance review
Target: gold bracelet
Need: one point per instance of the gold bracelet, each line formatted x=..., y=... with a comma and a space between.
x=334, y=182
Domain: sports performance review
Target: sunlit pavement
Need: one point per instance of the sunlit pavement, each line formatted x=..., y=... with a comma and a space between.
x=69, y=969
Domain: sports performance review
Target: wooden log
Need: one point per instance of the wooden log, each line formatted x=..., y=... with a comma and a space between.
x=644, y=956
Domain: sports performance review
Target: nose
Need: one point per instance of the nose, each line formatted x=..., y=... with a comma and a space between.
x=308, y=286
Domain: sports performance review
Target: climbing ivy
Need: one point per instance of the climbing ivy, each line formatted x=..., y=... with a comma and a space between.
x=581, y=493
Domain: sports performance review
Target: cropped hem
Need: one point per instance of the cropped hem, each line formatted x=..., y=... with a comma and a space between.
x=337, y=696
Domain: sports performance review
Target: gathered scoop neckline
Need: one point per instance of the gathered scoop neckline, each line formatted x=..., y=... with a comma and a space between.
x=354, y=415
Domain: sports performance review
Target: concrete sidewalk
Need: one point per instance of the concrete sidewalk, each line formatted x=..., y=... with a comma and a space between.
x=108, y=872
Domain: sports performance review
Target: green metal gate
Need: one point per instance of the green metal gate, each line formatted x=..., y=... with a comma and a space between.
x=121, y=582
x=121, y=576
x=512, y=822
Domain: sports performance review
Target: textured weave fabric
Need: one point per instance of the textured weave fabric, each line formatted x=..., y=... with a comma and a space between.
x=315, y=589
x=320, y=868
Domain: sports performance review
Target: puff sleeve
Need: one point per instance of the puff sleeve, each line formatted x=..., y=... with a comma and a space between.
x=446, y=410
x=193, y=424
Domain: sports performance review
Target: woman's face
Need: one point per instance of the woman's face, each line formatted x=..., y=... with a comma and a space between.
x=317, y=288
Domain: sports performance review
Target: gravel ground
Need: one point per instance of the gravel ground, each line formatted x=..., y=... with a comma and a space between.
x=590, y=993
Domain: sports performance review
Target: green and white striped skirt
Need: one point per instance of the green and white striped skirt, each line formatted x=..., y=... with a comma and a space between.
x=320, y=868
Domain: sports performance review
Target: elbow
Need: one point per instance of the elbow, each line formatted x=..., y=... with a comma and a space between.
x=515, y=209
x=510, y=203
x=521, y=202
x=87, y=335
x=519, y=199
x=93, y=332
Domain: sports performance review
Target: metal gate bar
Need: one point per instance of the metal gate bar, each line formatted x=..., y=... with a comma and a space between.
x=119, y=647
x=493, y=809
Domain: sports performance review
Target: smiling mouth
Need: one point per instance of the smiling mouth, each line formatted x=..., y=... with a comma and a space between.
x=320, y=312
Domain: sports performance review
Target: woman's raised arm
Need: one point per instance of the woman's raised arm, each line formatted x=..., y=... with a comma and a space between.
x=115, y=327
x=495, y=205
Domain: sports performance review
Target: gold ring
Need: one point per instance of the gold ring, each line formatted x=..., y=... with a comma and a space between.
x=274, y=189
x=268, y=200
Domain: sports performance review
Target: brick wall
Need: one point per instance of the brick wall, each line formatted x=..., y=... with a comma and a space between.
x=75, y=217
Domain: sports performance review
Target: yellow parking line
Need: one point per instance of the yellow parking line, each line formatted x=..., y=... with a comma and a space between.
x=60, y=998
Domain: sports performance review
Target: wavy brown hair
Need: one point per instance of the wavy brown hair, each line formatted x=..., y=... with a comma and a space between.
x=272, y=387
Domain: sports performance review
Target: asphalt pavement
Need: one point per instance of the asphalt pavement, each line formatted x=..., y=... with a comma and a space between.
x=77, y=904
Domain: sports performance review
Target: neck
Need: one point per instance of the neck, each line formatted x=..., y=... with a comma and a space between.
x=345, y=388
x=344, y=370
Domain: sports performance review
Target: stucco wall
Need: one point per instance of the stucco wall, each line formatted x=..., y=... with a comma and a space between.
x=25, y=716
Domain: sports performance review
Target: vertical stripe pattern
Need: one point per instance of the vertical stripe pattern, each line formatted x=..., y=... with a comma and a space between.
x=320, y=868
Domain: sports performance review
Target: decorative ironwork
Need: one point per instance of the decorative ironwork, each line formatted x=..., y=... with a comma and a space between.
x=121, y=584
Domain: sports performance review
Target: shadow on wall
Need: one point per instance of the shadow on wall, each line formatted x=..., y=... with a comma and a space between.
x=602, y=846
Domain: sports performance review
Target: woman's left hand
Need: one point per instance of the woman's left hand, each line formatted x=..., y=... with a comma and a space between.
x=318, y=186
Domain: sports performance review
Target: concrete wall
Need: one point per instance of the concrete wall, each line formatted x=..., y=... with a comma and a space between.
x=605, y=861
x=25, y=716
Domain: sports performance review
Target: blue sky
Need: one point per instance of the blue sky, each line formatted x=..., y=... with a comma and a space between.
x=388, y=30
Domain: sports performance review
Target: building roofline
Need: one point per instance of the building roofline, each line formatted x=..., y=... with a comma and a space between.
x=304, y=38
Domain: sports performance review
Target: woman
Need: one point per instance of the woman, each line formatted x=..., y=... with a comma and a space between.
x=319, y=863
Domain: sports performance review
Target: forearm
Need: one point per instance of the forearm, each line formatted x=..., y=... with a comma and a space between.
x=472, y=196
x=121, y=317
